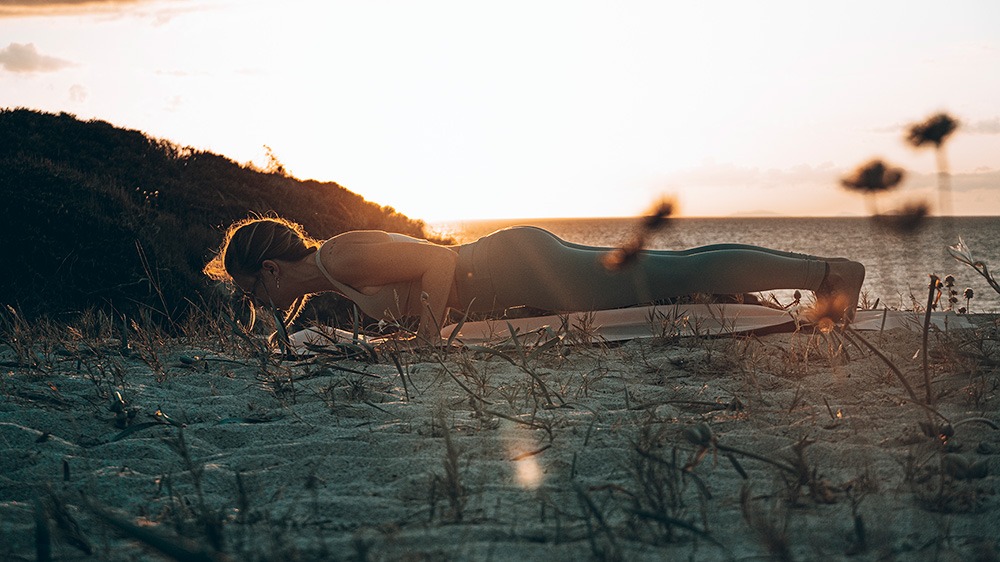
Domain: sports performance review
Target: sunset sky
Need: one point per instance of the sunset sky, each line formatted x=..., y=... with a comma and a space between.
x=468, y=109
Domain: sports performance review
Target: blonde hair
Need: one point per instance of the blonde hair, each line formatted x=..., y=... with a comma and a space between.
x=251, y=241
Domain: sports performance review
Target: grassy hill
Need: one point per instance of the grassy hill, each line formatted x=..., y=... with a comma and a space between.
x=99, y=216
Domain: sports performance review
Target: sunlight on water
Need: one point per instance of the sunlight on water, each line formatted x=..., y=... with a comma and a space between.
x=898, y=265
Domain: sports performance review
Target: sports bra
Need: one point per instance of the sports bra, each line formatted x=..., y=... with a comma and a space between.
x=390, y=301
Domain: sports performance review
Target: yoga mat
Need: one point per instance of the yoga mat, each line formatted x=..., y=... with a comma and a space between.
x=655, y=321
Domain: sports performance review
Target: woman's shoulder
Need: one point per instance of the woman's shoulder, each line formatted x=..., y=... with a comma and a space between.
x=372, y=237
x=361, y=237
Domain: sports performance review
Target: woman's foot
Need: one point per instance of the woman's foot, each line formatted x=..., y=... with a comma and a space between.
x=837, y=296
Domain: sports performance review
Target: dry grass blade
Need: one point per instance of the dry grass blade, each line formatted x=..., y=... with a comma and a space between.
x=458, y=327
x=284, y=343
x=527, y=368
x=43, y=534
x=178, y=548
x=855, y=337
x=923, y=345
x=452, y=476
x=463, y=386
x=530, y=424
x=674, y=522
x=67, y=526
x=591, y=510
x=542, y=348
x=492, y=351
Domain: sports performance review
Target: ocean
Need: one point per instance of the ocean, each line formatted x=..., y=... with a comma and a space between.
x=897, y=264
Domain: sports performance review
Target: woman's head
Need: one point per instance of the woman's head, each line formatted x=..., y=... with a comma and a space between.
x=252, y=241
x=248, y=256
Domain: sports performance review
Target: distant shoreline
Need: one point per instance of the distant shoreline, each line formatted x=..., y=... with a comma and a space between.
x=726, y=217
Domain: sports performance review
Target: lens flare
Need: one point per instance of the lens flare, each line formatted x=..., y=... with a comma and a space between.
x=528, y=473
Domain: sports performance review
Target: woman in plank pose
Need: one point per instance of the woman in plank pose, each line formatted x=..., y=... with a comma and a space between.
x=391, y=276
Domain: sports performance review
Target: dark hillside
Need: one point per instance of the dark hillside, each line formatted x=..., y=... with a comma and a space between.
x=83, y=201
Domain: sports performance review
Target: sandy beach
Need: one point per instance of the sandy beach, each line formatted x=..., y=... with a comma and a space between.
x=789, y=446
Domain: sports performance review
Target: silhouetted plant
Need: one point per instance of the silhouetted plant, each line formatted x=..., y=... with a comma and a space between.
x=968, y=294
x=962, y=253
x=274, y=166
x=935, y=130
x=907, y=219
x=872, y=179
x=657, y=218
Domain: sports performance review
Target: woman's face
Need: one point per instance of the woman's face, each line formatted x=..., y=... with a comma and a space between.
x=264, y=289
x=249, y=287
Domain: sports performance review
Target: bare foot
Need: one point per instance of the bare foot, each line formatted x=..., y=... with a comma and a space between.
x=838, y=295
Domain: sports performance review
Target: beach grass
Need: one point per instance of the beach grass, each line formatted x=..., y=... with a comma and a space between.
x=124, y=440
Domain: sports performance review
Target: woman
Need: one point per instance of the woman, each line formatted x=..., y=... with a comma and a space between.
x=390, y=276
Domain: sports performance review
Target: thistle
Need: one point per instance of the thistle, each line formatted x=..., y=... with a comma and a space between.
x=962, y=253
x=909, y=218
x=935, y=131
x=624, y=256
x=968, y=294
x=873, y=178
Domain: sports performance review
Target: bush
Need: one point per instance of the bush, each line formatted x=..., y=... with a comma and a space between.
x=100, y=216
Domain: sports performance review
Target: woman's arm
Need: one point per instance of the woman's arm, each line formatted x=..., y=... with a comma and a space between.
x=365, y=259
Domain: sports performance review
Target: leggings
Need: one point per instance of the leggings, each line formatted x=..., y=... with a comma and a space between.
x=529, y=266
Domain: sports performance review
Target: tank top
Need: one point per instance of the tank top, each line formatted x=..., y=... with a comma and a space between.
x=390, y=301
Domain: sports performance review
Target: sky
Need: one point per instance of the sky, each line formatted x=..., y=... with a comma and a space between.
x=452, y=110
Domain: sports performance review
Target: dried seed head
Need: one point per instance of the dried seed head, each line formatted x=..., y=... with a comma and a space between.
x=619, y=258
x=658, y=216
x=873, y=177
x=935, y=130
x=909, y=218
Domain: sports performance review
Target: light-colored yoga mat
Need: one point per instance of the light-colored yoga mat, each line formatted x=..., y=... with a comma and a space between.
x=653, y=321
x=689, y=320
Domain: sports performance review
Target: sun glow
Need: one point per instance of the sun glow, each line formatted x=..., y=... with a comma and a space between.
x=457, y=110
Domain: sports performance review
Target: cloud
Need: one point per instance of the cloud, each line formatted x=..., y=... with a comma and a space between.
x=729, y=176
x=21, y=8
x=159, y=11
x=712, y=175
x=982, y=179
x=26, y=58
x=981, y=127
x=894, y=128
x=985, y=126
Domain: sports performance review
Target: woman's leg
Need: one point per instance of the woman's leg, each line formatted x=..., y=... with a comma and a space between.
x=714, y=247
x=528, y=266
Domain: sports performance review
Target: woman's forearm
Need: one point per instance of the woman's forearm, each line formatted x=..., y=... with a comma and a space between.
x=436, y=286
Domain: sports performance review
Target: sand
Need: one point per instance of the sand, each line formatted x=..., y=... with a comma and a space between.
x=798, y=446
